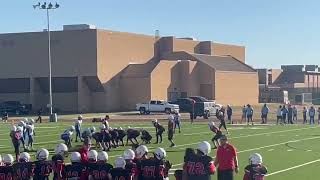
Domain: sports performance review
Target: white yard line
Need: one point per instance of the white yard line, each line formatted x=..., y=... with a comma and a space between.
x=294, y=167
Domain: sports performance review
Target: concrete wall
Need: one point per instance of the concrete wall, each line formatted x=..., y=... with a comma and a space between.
x=236, y=88
x=238, y=52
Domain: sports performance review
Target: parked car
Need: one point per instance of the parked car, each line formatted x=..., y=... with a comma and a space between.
x=156, y=106
x=201, y=109
x=15, y=107
x=202, y=99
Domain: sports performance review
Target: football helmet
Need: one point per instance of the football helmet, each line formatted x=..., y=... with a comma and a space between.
x=75, y=157
x=93, y=155
x=61, y=149
x=160, y=153
x=120, y=162
x=103, y=156
x=72, y=128
x=92, y=129
x=19, y=129
x=255, y=159
x=80, y=117
x=204, y=147
x=42, y=154
x=24, y=157
x=128, y=154
x=154, y=121
x=7, y=159
x=141, y=151
x=120, y=128
x=22, y=124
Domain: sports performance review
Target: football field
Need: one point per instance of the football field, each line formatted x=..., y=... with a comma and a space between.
x=289, y=152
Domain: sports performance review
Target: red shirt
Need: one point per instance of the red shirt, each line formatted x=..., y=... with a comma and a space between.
x=226, y=157
x=84, y=155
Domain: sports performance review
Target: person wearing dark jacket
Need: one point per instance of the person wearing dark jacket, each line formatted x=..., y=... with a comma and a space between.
x=229, y=114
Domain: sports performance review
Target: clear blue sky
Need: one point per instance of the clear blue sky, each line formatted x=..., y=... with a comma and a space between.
x=274, y=32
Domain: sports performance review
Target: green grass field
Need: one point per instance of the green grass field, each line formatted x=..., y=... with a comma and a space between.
x=289, y=152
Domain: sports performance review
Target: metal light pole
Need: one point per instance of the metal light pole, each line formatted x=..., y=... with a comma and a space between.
x=48, y=7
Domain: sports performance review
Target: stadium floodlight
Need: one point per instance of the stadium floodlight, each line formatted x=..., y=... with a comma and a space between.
x=48, y=7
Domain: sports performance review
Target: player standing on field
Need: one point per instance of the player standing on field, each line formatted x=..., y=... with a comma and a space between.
x=171, y=130
x=221, y=116
x=159, y=130
x=23, y=170
x=177, y=121
x=61, y=151
x=77, y=125
x=218, y=134
x=43, y=167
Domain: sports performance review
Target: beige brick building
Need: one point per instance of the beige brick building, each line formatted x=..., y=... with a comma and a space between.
x=98, y=70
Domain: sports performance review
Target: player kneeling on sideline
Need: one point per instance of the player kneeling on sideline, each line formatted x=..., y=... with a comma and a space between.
x=145, y=136
x=66, y=136
x=131, y=166
x=75, y=170
x=101, y=169
x=255, y=170
x=7, y=171
x=119, y=172
x=199, y=166
x=43, y=167
x=23, y=170
x=61, y=151
x=218, y=134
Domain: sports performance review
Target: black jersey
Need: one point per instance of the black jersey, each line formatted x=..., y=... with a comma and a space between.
x=99, y=170
x=199, y=167
x=98, y=136
x=42, y=170
x=132, y=133
x=57, y=166
x=6, y=172
x=121, y=133
x=151, y=169
x=23, y=170
x=131, y=167
x=120, y=174
x=74, y=171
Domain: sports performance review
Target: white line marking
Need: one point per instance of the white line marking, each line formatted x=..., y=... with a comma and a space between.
x=294, y=167
x=271, y=150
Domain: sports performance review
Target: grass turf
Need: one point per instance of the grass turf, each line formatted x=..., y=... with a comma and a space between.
x=285, y=149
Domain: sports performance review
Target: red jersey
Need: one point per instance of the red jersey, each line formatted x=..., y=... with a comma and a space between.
x=226, y=157
x=84, y=155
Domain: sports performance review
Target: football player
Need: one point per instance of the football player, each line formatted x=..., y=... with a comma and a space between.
x=145, y=136
x=16, y=138
x=61, y=151
x=23, y=170
x=177, y=121
x=98, y=137
x=30, y=134
x=119, y=172
x=255, y=170
x=159, y=130
x=200, y=165
x=43, y=167
x=7, y=171
x=106, y=140
x=67, y=136
x=77, y=125
x=75, y=170
x=217, y=136
x=23, y=124
x=114, y=137
x=131, y=166
x=101, y=169
x=171, y=130
x=132, y=134
x=121, y=135
x=221, y=116
x=88, y=132
x=162, y=165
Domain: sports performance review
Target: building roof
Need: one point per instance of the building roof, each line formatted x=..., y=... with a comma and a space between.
x=219, y=63
x=223, y=63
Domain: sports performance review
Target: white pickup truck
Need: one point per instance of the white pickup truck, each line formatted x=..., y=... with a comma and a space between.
x=156, y=106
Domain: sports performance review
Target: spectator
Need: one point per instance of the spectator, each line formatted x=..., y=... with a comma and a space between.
x=5, y=116
x=284, y=114
x=295, y=114
x=226, y=160
x=264, y=114
x=318, y=115
x=290, y=114
x=229, y=114
x=249, y=113
x=244, y=112
x=312, y=113
x=279, y=115
x=305, y=111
